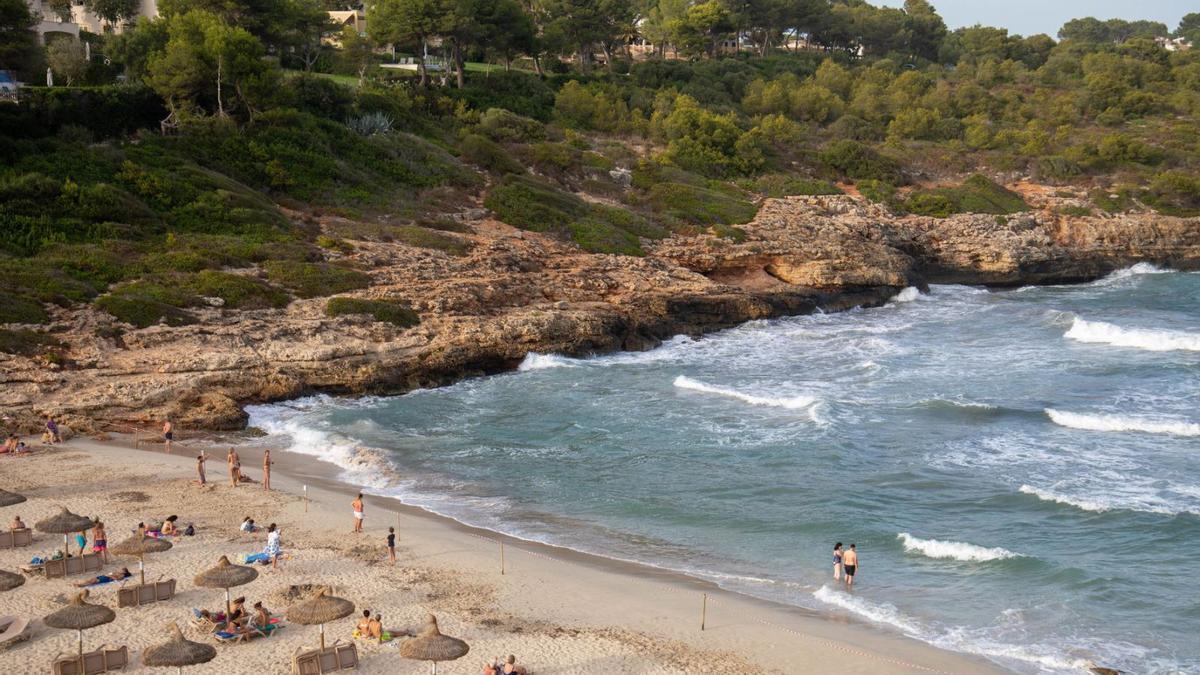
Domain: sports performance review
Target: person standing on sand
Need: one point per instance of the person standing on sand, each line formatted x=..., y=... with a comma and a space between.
x=200, y=460
x=850, y=564
x=100, y=541
x=235, y=466
x=837, y=561
x=391, y=544
x=357, y=505
x=274, y=545
x=168, y=434
x=267, y=469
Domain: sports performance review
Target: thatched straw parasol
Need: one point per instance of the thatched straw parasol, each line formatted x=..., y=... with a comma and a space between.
x=64, y=523
x=178, y=652
x=10, y=580
x=80, y=615
x=139, y=545
x=226, y=575
x=431, y=645
x=320, y=609
x=10, y=498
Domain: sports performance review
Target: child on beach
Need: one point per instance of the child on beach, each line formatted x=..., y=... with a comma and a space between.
x=391, y=544
x=357, y=505
x=274, y=547
x=100, y=541
x=248, y=525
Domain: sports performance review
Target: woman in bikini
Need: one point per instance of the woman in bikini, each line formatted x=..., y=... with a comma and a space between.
x=837, y=561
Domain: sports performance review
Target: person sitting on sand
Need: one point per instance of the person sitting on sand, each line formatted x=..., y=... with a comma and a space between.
x=248, y=525
x=510, y=667
x=363, y=626
x=104, y=578
x=237, y=615
x=261, y=618
x=16, y=524
x=53, y=435
x=10, y=444
x=168, y=526
x=375, y=629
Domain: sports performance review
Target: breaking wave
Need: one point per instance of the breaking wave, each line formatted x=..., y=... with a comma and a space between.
x=907, y=295
x=1099, y=332
x=792, y=403
x=535, y=361
x=953, y=550
x=1120, y=423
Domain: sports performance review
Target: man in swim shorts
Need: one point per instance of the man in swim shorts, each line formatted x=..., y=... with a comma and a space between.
x=357, y=505
x=168, y=434
x=850, y=564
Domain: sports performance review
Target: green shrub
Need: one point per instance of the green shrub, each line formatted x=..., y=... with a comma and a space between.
x=43, y=283
x=878, y=191
x=785, y=185
x=977, y=194
x=145, y=304
x=238, y=292
x=596, y=235
x=27, y=342
x=931, y=204
x=444, y=224
x=505, y=126
x=736, y=234
x=1074, y=211
x=859, y=162
x=334, y=244
x=426, y=238
x=382, y=310
x=1113, y=200
x=1175, y=193
x=313, y=280
x=690, y=205
x=19, y=309
x=487, y=154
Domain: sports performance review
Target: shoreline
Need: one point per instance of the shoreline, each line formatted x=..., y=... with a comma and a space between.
x=739, y=623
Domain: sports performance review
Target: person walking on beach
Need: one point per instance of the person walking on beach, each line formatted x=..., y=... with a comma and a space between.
x=168, y=434
x=267, y=469
x=274, y=546
x=200, y=460
x=850, y=564
x=357, y=505
x=837, y=561
x=235, y=466
x=391, y=543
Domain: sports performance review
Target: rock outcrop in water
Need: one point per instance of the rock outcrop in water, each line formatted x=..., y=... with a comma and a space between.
x=518, y=292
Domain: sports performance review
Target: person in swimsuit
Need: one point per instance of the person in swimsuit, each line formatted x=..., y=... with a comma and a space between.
x=168, y=434
x=200, y=460
x=104, y=578
x=100, y=541
x=391, y=544
x=357, y=505
x=81, y=541
x=267, y=469
x=235, y=466
x=16, y=524
x=364, y=624
x=837, y=561
x=850, y=564
x=168, y=526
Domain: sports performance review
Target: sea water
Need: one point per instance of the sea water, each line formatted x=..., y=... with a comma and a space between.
x=1020, y=470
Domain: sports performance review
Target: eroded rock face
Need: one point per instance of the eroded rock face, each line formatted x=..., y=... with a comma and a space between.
x=518, y=292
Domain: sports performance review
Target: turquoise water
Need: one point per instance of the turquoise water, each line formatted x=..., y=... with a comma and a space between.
x=1019, y=469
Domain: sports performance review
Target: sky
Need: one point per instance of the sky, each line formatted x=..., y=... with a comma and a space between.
x=1028, y=17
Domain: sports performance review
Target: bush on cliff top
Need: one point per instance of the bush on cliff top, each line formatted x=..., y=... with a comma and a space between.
x=313, y=280
x=387, y=311
x=977, y=194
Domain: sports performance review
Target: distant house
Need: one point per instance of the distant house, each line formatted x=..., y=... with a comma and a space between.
x=351, y=17
x=81, y=18
x=1178, y=44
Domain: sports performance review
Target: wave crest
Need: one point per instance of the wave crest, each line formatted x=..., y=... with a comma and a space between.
x=536, y=361
x=907, y=295
x=1099, y=332
x=792, y=403
x=1120, y=423
x=953, y=550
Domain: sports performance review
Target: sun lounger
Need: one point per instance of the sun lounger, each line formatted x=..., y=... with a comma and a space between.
x=333, y=658
x=14, y=538
x=103, y=660
x=80, y=564
x=13, y=630
x=145, y=594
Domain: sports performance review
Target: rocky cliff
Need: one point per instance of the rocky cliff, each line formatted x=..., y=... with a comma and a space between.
x=517, y=292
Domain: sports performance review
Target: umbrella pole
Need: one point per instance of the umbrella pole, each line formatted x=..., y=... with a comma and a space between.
x=228, y=607
x=322, y=637
x=435, y=668
x=81, y=650
x=142, y=565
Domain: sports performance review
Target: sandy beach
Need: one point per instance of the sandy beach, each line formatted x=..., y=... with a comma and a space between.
x=557, y=611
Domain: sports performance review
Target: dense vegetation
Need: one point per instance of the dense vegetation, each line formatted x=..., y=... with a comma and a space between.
x=198, y=182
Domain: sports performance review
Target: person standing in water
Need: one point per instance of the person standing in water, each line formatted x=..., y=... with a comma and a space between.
x=357, y=505
x=168, y=434
x=200, y=460
x=267, y=469
x=850, y=564
x=837, y=561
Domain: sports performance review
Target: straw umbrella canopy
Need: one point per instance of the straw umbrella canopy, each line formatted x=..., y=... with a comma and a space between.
x=139, y=546
x=177, y=652
x=431, y=645
x=226, y=575
x=10, y=498
x=320, y=609
x=9, y=580
x=64, y=523
x=80, y=615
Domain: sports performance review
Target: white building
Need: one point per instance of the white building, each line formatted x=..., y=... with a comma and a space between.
x=81, y=18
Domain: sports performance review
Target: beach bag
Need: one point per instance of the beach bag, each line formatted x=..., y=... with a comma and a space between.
x=190, y=531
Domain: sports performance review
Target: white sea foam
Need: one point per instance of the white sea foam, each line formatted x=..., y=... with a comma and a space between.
x=791, y=403
x=1139, y=338
x=1134, y=271
x=361, y=466
x=953, y=550
x=907, y=295
x=1121, y=423
x=1077, y=502
x=879, y=612
x=536, y=361
x=963, y=640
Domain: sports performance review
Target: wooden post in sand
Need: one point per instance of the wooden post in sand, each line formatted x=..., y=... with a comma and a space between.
x=306, y=499
x=703, y=610
x=501, y=558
